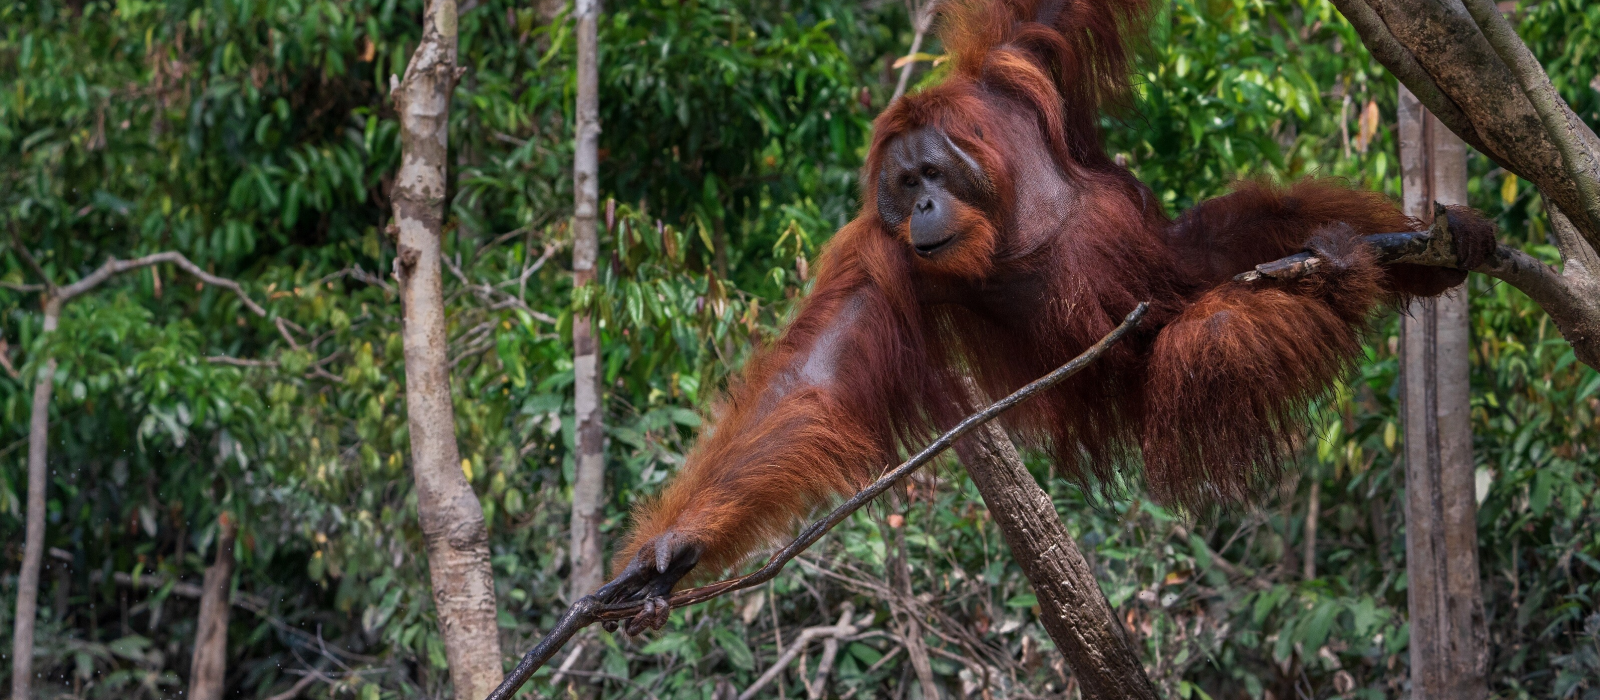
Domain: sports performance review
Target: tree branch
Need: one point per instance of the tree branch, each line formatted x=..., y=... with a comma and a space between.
x=300, y=686
x=1572, y=300
x=27, y=259
x=114, y=266
x=361, y=276
x=844, y=628
x=1560, y=123
x=1400, y=61
x=588, y=609
x=239, y=362
x=487, y=292
x=921, y=21
x=5, y=360
x=1579, y=261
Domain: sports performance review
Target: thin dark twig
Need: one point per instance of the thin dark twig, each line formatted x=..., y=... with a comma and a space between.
x=28, y=259
x=589, y=610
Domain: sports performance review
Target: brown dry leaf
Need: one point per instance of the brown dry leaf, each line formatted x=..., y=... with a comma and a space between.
x=1368, y=126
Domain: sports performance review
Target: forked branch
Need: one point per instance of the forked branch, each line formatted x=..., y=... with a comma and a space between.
x=114, y=266
x=589, y=610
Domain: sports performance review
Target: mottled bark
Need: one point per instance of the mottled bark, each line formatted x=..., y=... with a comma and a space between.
x=1578, y=146
x=1467, y=76
x=209, y=667
x=451, y=516
x=1449, y=645
x=1072, y=607
x=1466, y=65
x=589, y=485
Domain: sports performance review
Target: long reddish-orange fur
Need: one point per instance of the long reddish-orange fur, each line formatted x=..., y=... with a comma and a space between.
x=1211, y=391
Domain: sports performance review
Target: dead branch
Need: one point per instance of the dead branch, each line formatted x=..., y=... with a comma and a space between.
x=28, y=259
x=844, y=629
x=114, y=266
x=816, y=689
x=360, y=275
x=245, y=601
x=921, y=21
x=283, y=325
x=499, y=299
x=252, y=603
x=948, y=629
x=589, y=610
x=300, y=686
x=5, y=360
x=239, y=362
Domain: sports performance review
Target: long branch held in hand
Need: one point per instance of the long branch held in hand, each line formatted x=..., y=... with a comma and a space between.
x=588, y=610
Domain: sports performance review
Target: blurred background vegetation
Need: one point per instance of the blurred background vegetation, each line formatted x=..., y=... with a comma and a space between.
x=256, y=137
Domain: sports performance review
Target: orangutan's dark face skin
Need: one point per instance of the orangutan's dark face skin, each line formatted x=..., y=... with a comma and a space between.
x=925, y=178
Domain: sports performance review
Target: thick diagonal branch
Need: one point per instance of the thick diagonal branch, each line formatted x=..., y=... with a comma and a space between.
x=1439, y=51
x=1565, y=129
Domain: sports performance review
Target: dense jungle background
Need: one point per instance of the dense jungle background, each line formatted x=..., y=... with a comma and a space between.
x=257, y=138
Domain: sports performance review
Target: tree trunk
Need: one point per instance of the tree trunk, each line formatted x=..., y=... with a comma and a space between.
x=53, y=299
x=589, y=482
x=1449, y=650
x=1072, y=607
x=209, y=668
x=33, y=537
x=907, y=626
x=450, y=514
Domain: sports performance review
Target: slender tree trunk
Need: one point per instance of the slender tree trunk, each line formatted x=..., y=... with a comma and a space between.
x=909, y=627
x=589, y=484
x=1313, y=514
x=33, y=537
x=53, y=299
x=451, y=516
x=1072, y=607
x=1449, y=650
x=209, y=668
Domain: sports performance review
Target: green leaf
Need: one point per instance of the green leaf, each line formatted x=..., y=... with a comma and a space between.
x=1022, y=600
x=738, y=653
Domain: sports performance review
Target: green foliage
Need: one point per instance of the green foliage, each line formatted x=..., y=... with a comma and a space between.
x=1217, y=102
x=257, y=138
